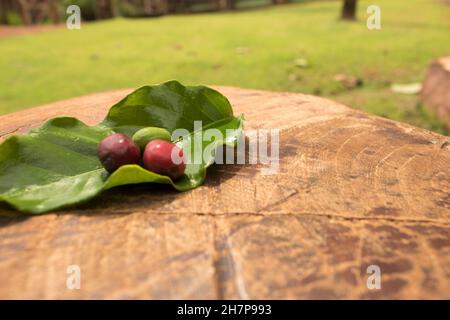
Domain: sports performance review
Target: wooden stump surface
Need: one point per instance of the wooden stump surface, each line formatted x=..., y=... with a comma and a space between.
x=353, y=190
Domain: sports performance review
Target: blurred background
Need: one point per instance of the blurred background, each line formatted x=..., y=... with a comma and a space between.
x=318, y=47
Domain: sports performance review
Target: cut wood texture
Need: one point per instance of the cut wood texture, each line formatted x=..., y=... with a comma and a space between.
x=353, y=191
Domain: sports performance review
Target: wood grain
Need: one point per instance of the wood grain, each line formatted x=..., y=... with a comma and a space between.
x=353, y=190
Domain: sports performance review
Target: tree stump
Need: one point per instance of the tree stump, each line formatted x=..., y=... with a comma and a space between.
x=436, y=88
x=353, y=191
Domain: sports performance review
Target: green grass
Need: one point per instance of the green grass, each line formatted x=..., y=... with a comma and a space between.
x=250, y=48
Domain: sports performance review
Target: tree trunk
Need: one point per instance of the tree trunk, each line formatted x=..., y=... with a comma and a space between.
x=349, y=10
x=148, y=7
x=36, y=11
x=53, y=11
x=3, y=10
x=353, y=191
x=156, y=7
x=25, y=12
x=164, y=6
x=226, y=4
x=178, y=6
x=104, y=9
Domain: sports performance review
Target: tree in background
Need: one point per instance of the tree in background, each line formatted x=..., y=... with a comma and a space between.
x=349, y=10
x=231, y=4
x=37, y=11
x=89, y=8
x=104, y=9
x=136, y=8
x=226, y=4
x=8, y=8
x=155, y=7
x=41, y=11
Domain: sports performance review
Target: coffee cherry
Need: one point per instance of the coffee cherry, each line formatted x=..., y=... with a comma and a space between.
x=117, y=150
x=145, y=135
x=164, y=158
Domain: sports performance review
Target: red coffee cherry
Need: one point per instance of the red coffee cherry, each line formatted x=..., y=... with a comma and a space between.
x=117, y=150
x=165, y=158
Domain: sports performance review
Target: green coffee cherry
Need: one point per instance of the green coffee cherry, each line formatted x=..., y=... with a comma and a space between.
x=145, y=135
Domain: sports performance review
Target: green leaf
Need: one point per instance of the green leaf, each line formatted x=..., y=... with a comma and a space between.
x=56, y=165
x=170, y=106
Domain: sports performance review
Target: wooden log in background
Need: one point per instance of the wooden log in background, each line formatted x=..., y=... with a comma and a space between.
x=436, y=89
x=353, y=190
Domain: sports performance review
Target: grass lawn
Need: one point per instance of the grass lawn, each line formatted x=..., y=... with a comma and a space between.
x=250, y=48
